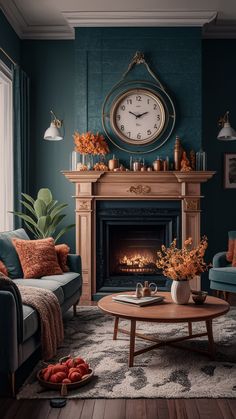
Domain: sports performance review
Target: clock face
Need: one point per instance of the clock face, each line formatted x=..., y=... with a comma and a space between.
x=137, y=116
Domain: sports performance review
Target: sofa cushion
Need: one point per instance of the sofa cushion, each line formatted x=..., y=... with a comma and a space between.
x=30, y=322
x=8, y=252
x=37, y=257
x=70, y=282
x=226, y=275
x=62, y=251
x=53, y=286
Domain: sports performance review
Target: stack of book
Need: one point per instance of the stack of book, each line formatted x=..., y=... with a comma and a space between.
x=132, y=299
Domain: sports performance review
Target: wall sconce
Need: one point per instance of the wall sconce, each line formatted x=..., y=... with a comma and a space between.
x=226, y=133
x=53, y=132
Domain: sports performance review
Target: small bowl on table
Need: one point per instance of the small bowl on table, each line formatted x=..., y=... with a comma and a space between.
x=199, y=297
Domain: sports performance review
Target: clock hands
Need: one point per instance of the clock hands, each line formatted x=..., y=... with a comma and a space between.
x=141, y=114
x=138, y=115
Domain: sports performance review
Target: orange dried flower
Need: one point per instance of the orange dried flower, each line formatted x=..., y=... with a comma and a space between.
x=89, y=143
x=185, y=263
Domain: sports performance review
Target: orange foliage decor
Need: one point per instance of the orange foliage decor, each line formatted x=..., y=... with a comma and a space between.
x=89, y=143
x=182, y=264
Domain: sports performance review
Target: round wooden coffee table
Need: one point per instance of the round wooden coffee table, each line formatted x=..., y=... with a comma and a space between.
x=165, y=312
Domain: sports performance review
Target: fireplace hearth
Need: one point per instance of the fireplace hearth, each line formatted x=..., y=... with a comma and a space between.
x=128, y=238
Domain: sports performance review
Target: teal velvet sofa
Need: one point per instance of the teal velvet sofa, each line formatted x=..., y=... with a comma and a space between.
x=222, y=275
x=19, y=324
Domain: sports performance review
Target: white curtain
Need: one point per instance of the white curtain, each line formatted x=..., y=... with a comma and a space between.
x=6, y=149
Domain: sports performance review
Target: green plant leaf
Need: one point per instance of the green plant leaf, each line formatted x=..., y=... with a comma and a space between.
x=63, y=231
x=43, y=224
x=28, y=198
x=56, y=210
x=40, y=208
x=29, y=207
x=57, y=219
x=34, y=231
x=51, y=205
x=45, y=194
x=26, y=218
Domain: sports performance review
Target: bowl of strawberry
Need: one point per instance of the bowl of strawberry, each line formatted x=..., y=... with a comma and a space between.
x=66, y=375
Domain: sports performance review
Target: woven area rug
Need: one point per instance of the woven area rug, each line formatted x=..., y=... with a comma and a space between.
x=167, y=372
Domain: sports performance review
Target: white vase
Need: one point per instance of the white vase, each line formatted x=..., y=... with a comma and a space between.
x=180, y=292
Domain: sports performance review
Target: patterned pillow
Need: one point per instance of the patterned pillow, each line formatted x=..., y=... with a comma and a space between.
x=3, y=268
x=38, y=257
x=62, y=251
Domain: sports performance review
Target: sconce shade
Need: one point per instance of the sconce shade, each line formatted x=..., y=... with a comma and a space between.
x=226, y=133
x=52, y=133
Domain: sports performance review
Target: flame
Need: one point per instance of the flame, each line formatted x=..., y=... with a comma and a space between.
x=136, y=261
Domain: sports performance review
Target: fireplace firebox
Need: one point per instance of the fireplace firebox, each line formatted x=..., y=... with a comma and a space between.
x=128, y=238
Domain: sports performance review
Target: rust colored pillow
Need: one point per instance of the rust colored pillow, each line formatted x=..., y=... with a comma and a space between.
x=37, y=257
x=3, y=268
x=62, y=251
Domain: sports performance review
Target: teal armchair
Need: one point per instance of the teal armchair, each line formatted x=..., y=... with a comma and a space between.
x=222, y=275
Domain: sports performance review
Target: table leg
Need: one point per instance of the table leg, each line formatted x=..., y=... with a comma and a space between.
x=132, y=343
x=116, y=323
x=190, y=329
x=211, y=344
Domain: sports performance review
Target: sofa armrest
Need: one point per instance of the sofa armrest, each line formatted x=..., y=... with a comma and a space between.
x=74, y=263
x=8, y=332
x=219, y=260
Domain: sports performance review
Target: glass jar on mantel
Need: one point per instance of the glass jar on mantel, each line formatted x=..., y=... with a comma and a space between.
x=81, y=162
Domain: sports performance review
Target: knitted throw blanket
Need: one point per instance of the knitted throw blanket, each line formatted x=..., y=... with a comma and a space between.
x=48, y=308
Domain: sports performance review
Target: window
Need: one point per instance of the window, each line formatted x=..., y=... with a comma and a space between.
x=6, y=149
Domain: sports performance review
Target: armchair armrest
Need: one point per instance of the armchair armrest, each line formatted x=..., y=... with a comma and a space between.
x=219, y=260
x=8, y=332
x=74, y=263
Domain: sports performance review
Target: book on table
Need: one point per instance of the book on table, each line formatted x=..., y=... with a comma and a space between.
x=132, y=299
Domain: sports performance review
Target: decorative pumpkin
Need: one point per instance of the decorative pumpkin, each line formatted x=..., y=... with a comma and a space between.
x=59, y=368
x=74, y=376
x=58, y=377
x=82, y=369
x=79, y=361
x=70, y=363
x=47, y=372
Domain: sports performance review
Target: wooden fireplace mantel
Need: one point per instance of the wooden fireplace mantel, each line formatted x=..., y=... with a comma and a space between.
x=91, y=186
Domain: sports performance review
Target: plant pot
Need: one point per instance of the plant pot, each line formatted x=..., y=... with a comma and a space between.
x=180, y=292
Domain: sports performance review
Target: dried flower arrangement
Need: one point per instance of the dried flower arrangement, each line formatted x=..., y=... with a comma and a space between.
x=182, y=264
x=89, y=143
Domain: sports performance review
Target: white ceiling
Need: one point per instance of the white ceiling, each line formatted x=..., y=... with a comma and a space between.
x=56, y=19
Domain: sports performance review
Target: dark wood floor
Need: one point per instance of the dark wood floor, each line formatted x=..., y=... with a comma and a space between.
x=120, y=409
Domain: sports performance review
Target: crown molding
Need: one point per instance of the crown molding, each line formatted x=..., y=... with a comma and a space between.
x=139, y=18
x=220, y=30
x=26, y=31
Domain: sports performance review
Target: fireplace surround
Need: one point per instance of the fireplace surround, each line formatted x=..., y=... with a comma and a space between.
x=128, y=235
x=93, y=187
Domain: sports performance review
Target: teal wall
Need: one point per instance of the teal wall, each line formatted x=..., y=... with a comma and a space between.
x=102, y=56
x=219, y=91
x=50, y=66
x=9, y=41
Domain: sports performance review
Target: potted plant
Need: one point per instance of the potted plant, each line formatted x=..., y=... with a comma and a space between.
x=181, y=265
x=44, y=215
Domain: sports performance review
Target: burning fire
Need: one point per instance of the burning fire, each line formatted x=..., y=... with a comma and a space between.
x=136, y=263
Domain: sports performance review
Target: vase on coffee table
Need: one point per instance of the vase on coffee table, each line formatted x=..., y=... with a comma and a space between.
x=180, y=291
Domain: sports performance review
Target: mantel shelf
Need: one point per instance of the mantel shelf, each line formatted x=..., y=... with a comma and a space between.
x=129, y=176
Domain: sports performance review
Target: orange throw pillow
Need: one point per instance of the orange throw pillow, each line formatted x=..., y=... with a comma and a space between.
x=3, y=268
x=37, y=257
x=62, y=251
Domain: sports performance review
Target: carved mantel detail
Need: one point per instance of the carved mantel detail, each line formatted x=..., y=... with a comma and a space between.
x=140, y=189
x=191, y=204
x=93, y=186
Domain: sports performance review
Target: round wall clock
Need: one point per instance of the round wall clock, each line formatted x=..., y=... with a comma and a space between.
x=138, y=116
